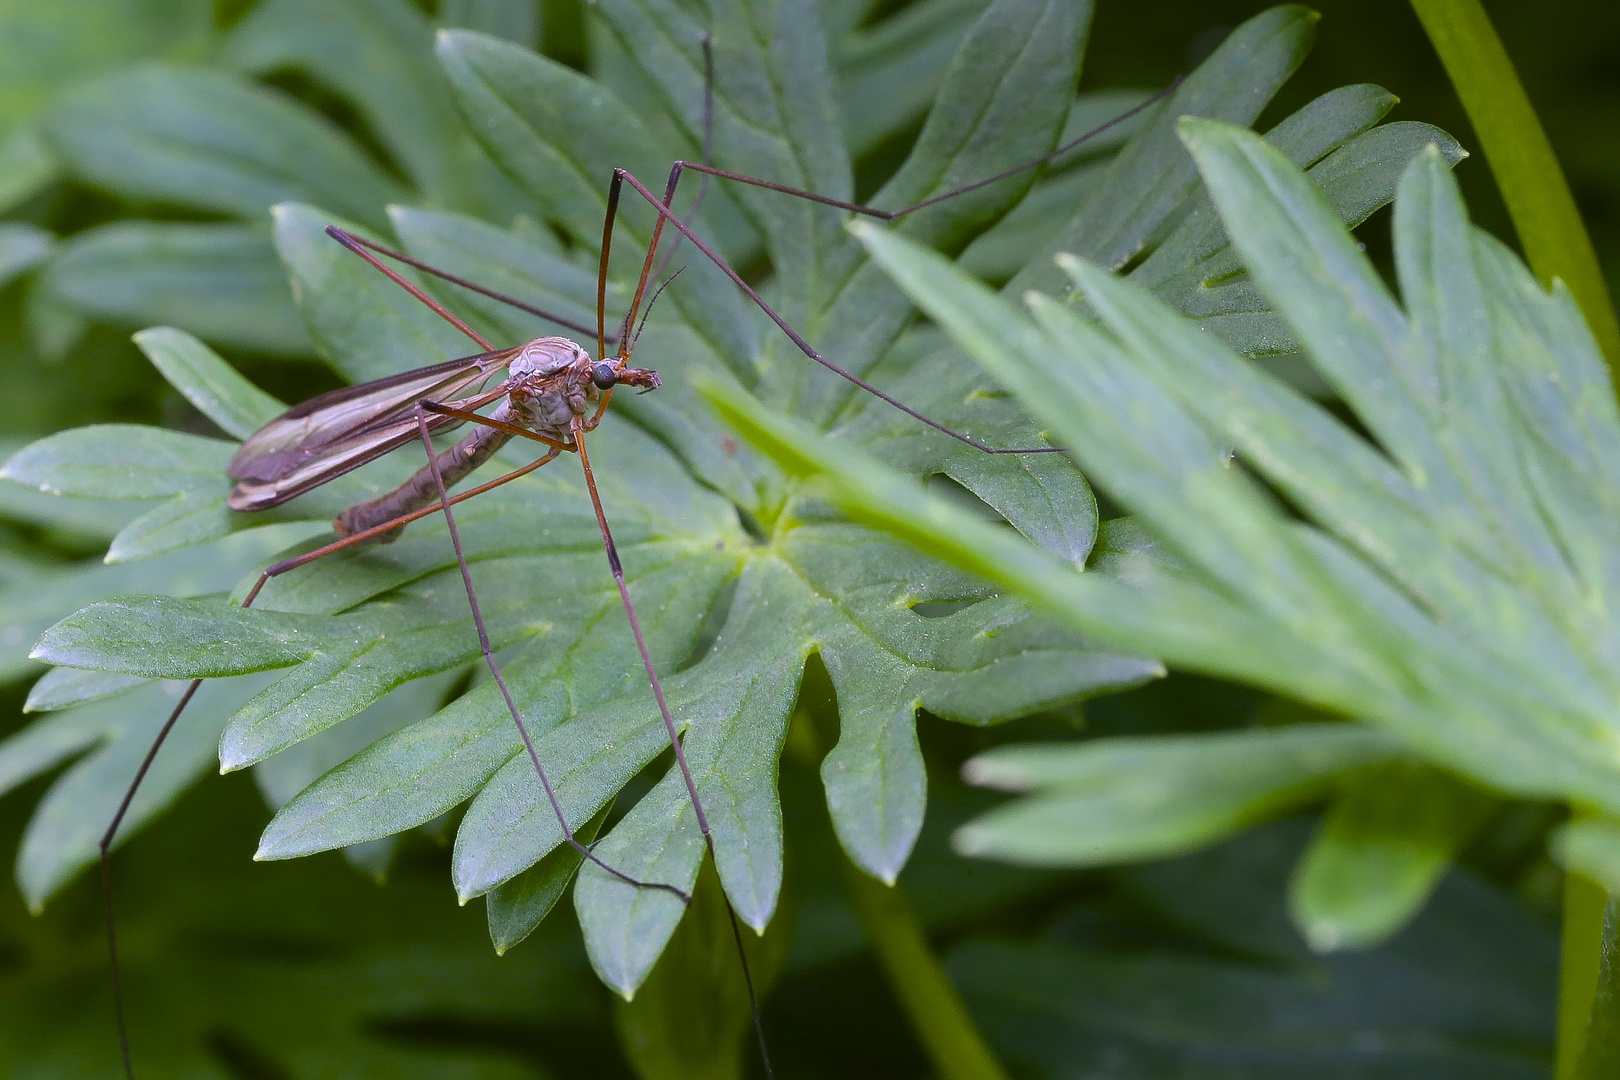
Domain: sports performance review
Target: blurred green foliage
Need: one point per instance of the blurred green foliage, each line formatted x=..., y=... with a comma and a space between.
x=1190, y=966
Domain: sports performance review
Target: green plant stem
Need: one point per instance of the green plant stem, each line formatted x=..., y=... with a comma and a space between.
x=937, y=1014
x=1538, y=198
x=1556, y=245
x=1578, y=966
x=919, y=981
x=1599, y=1055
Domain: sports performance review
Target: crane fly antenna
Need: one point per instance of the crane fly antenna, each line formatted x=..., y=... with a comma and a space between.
x=648, y=312
x=707, y=44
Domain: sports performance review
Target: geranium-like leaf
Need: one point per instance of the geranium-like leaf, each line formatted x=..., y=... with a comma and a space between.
x=120, y=461
x=363, y=324
x=1486, y=396
x=739, y=568
x=1382, y=848
x=160, y=637
x=1117, y=800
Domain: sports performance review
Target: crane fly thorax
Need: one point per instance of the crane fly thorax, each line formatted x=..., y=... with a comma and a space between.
x=548, y=384
x=553, y=381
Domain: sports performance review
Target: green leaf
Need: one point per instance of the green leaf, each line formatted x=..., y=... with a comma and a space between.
x=49, y=741
x=160, y=637
x=62, y=837
x=22, y=247
x=514, y=20
x=126, y=461
x=96, y=520
x=1324, y=592
x=508, y=262
x=119, y=461
x=1115, y=800
x=888, y=72
x=524, y=108
x=377, y=54
x=42, y=593
x=1153, y=176
x=362, y=323
x=1105, y=117
x=1381, y=850
x=1390, y=602
x=281, y=777
x=658, y=1029
x=1600, y=1042
x=216, y=389
x=210, y=141
x=359, y=954
x=981, y=124
x=60, y=687
x=1107, y=990
x=774, y=114
x=54, y=327
x=740, y=569
x=516, y=908
x=187, y=519
x=1591, y=846
x=27, y=166
x=45, y=47
x=221, y=282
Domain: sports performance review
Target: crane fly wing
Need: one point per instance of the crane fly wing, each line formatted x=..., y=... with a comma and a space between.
x=327, y=436
x=306, y=429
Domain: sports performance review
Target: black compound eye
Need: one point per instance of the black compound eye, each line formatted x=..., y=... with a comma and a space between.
x=604, y=374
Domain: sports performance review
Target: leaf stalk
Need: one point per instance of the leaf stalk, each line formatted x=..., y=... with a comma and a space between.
x=1556, y=245
x=938, y=1015
x=1521, y=159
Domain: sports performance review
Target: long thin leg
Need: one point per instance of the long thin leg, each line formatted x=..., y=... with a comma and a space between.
x=669, y=721
x=105, y=844
x=500, y=680
x=666, y=214
x=580, y=427
x=892, y=215
x=620, y=176
x=356, y=245
x=354, y=242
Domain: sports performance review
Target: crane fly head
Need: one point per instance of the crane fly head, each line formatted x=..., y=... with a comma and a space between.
x=605, y=374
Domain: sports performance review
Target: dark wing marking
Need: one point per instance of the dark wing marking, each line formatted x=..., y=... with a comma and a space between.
x=329, y=435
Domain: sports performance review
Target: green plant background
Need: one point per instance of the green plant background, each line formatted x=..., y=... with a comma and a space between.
x=242, y=969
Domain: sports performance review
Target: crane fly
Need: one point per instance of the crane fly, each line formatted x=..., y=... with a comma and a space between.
x=553, y=393
x=550, y=382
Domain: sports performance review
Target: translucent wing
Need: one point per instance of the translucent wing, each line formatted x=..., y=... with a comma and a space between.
x=329, y=435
